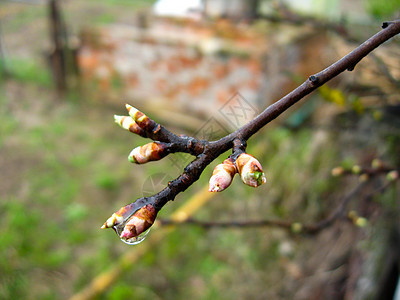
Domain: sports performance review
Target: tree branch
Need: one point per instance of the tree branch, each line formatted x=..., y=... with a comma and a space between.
x=142, y=213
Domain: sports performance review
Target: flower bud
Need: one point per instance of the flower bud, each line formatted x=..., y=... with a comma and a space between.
x=129, y=124
x=363, y=177
x=119, y=216
x=377, y=163
x=140, y=118
x=361, y=222
x=149, y=152
x=356, y=219
x=356, y=169
x=139, y=222
x=392, y=175
x=222, y=176
x=296, y=227
x=337, y=171
x=250, y=170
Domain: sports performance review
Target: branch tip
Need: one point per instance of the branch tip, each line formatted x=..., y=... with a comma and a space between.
x=129, y=108
x=123, y=121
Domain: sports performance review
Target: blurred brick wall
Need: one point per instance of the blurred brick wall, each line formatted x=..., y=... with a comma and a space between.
x=196, y=67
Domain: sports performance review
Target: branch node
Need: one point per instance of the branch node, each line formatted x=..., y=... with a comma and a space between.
x=195, y=146
x=314, y=79
x=185, y=178
x=386, y=24
x=157, y=129
x=351, y=68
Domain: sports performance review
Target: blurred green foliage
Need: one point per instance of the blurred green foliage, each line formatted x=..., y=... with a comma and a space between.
x=30, y=71
x=382, y=9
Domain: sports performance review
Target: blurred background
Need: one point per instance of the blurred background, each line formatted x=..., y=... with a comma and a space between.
x=201, y=68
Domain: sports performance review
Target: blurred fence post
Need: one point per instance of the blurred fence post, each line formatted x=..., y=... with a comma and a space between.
x=58, y=39
x=252, y=10
x=3, y=64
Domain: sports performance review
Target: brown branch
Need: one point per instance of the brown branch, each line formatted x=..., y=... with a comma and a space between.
x=207, y=151
x=385, y=70
x=369, y=171
x=229, y=224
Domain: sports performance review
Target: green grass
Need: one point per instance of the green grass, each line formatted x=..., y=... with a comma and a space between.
x=25, y=14
x=127, y=3
x=379, y=9
x=30, y=71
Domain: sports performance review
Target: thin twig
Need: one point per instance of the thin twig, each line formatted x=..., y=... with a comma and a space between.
x=294, y=226
x=385, y=70
x=339, y=213
x=284, y=14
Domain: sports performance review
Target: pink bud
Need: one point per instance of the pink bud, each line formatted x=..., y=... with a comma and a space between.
x=139, y=222
x=222, y=176
x=250, y=170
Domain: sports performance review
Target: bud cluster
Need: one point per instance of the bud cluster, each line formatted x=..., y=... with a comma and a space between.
x=138, y=123
x=130, y=222
x=248, y=167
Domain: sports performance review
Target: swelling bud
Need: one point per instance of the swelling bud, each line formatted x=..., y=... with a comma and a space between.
x=250, y=170
x=222, y=176
x=149, y=152
x=129, y=124
x=139, y=222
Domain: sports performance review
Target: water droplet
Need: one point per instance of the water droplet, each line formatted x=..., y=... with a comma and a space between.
x=132, y=241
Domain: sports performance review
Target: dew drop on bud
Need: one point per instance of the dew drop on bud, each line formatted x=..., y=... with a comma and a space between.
x=131, y=241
